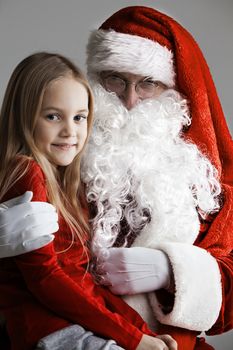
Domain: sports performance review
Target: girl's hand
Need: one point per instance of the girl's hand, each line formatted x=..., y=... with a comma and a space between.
x=161, y=342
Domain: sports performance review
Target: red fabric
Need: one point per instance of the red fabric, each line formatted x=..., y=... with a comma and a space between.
x=208, y=130
x=186, y=339
x=43, y=291
x=202, y=345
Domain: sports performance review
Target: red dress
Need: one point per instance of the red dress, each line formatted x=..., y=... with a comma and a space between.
x=43, y=291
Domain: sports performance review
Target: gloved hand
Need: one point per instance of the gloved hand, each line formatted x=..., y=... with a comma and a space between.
x=135, y=270
x=25, y=225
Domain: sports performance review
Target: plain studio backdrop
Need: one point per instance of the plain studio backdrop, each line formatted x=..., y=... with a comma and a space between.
x=27, y=26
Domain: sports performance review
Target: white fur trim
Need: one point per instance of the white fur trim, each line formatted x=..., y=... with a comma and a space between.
x=110, y=50
x=198, y=295
x=183, y=227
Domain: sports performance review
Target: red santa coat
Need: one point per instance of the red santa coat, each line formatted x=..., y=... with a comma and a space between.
x=202, y=265
x=44, y=291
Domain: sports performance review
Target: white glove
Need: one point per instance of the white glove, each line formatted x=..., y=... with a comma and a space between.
x=25, y=225
x=135, y=270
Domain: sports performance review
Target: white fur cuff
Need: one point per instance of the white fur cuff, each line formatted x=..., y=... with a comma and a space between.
x=198, y=295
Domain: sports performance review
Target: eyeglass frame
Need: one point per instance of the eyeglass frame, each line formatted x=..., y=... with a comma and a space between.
x=155, y=83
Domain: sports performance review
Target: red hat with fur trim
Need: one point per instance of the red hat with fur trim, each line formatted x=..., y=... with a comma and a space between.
x=144, y=41
x=125, y=43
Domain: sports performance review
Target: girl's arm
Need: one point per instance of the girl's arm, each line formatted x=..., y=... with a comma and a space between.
x=78, y=302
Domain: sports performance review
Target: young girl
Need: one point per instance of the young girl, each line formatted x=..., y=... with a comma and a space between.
x=45, y=122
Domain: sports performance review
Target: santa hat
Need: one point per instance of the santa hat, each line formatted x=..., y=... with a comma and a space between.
x=127, y=51
x=144, y=41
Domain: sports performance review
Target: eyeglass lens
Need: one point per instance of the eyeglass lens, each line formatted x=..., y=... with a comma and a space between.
x=117, y=85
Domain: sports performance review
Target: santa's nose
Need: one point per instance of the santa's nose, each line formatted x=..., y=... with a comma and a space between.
x=130, y=97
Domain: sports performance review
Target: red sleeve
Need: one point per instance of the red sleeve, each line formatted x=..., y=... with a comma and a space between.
x=57, y=291
x=94, y=309
x=224, y=322
x=218, y=241
x=33, y=180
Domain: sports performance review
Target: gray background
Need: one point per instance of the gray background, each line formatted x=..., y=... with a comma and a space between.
x=27, y=26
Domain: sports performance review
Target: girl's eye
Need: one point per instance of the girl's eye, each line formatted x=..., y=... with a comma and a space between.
x=52, y=117
x=80, y=117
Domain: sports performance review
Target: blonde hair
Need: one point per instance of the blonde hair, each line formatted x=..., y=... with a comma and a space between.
x=21, y=103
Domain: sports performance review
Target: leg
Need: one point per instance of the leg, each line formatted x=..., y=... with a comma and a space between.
x=75, y=338
x=29, y=323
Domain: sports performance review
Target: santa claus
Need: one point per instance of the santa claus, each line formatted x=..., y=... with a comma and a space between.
x=158, y=171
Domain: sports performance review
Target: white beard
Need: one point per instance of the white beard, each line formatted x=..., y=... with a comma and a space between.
x=138, y=159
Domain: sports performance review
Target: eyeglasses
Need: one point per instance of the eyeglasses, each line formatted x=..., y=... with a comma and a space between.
x=145, y=88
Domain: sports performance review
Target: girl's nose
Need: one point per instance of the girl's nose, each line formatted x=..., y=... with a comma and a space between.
x=68, y=128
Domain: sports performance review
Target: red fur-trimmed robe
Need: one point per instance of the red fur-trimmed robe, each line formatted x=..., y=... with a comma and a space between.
x=203, y=266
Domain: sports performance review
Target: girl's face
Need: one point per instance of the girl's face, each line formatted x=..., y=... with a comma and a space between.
x=61, y=127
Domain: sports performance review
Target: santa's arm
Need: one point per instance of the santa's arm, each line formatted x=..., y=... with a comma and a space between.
x=203, y=275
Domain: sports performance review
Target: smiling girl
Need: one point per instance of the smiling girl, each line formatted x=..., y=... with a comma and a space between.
x=45, y=122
